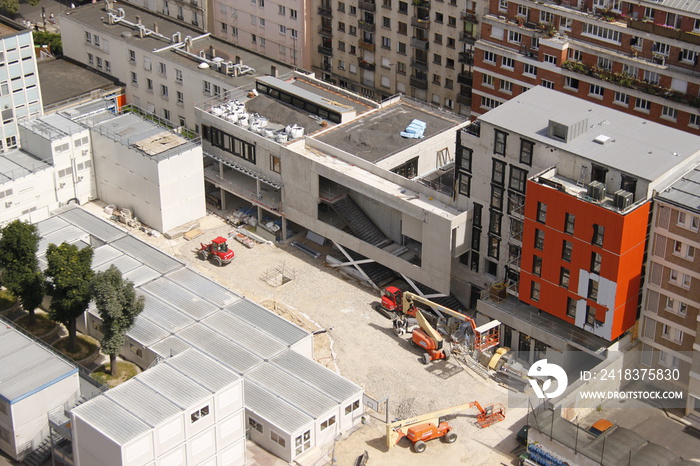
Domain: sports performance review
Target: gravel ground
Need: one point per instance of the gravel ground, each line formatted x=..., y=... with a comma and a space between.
x=360, y=345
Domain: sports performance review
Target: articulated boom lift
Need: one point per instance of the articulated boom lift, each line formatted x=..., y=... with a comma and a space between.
x=429, y=426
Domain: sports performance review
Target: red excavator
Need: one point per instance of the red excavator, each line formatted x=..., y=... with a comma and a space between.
x=217, y=251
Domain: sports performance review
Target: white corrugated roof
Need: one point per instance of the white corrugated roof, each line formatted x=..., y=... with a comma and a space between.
x=251, y=338
x=275, y=410
x=174, y=385
x=111, y=419
x=143, y=402
x=257, y=316
x=203, y=369
x=184, y=300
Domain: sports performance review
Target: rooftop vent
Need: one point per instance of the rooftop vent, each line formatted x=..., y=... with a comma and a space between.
x=566, y=130
x=602, y=139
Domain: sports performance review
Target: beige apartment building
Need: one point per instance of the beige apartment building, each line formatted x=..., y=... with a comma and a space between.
x=378, y=49
x=672, y=289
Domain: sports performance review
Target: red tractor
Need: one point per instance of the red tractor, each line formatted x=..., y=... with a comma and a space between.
x=217, y=251
x=392, y=302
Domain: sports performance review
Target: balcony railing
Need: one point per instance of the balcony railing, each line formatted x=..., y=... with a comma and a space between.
x=366, y=45
x=366, y=66
x=467, y=37
x=325, y=12
x=419, y=83
x=325, y=50
x=466, y=57
x=421, y=65
x=469, y=17
x=365, y=5
x=421, y=3
x=325, y=31
x=465, y=78
x=420, y=44
x=420, y=23
x=464, y=100
x=366, y=26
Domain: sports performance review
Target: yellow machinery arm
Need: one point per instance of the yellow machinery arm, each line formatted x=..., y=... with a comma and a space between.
x=485, y=337
x=427, y=328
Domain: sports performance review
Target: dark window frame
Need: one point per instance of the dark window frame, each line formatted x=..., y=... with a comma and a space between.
x=518, y=178
x=500, y=141
x=526, y=151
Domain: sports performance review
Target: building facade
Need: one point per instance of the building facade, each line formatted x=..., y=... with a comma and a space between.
x=379, y=49
x=194, y=13
x=669, y=322
x=637, y=57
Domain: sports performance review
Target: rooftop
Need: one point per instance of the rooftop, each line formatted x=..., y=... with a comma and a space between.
x=639, y=147
x=376, y=135
x=53, y=126
x=62, y=80
x=685, y=192
x=96, y=16
x=17, y=163
x=688, y=6
x=27, y=367
x=9, y=27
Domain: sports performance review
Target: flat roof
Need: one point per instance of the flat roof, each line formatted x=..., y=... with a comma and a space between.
x=261, y=402
x=92, y=16
x=111, y=419
x=62, y=79
x=685, y=192
x=53, y=126
x=688, y=6
x=17, y=164
x=639, y=147
x=376, y=135
x=27, y=367
x=9, y=27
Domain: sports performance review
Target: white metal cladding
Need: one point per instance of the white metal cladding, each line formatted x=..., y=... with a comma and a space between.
x=147, y=254
x=104, y=253
x=251, y=338
x=69, y=234
x=163, y=314
x=266, y=320
x=50, y=224
x=146, y=332
x=313, y=373
x=97, y=227
x=220, y=348
x=170, y=346
x=180, y=298
x=143, y=402
x=26, y=366
x=141, y=275
x=107, y=417
x=291, y=389
x=124, y=263
x=203, y=369
x=204, y=286
x=174, y=385
x=284, y=416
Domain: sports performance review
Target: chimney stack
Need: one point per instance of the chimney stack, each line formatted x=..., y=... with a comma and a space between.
x=155, y=28
x=138, y=20
x=273, y=70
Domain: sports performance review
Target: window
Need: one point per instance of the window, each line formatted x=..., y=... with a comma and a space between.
x=180, y=98
x=569, y=221
x=689, y=222
x=199, y=414
x=253, y=424
x=669, y=113
x=518, y=178
x=596, y=90
x=283, y=29
x=91, y=59
x=668, y=360
x=514, y=37
x=499, y=146
x=506, y=86
x=508, y=62
x=149, y=84
x=590, y=315
x=537, y=266
x=671, y=333
x=489, y=57
x=598, y=234
x=539, y=239
x=353, y=10
x=164, y=91
x=439, y=17
x=523, y=11
x=487, y=80
x=132, y=56
x=541, y=212
x=477, y=216
x=682, y=309
x=498, y=172
x=534, y=291
x=88, y=37
x=659, y=48
x=254, y=38
x=134, y=79
x=593, y=290
x=403, y=29
x=328, y=423
x=503, y=5
x=437, y=59
x=670, y=304
x=529, y=69
x=282, y=10
x=147, y=64
x=571, y=83
x=278, y=439
x=464, y=184
x=436, y=79
x=207, y=87
x=550, y=59
x=497, y=197
x=571, y=307
x=566, y=250
x=621, y=98
x=526, y=148
x=489, y=103
x=386, y=43
x=494, y=246
x=548, y=84
x=605, y=63
x=600, y=32
x=495, y=223
x=403, y=7
x=11, y=142
x=575, y=55
x=688, y=56
x=294, y=14
x=564, y=278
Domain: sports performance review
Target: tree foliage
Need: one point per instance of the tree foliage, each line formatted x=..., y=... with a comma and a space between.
x=118, y=305
x=9, y=7
x=19, y=244
x=53, y=40
x=70, y=274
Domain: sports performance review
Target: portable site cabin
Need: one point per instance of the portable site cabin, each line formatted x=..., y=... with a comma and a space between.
x=187, y=410
x=33, y=381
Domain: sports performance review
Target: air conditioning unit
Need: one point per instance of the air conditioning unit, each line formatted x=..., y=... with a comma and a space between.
x=596, y=190
x=623, y=199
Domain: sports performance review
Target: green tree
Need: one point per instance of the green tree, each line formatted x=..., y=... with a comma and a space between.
x=51, y=39
x=9, y=7
x=118, y=305
x=21, y=276
x=69, y=275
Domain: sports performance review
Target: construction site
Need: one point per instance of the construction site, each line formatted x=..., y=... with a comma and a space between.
x=359, y=342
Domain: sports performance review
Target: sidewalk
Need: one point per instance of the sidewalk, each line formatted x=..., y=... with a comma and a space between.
x=33, y=14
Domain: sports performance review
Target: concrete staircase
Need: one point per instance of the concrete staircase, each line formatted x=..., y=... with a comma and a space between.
x=379, y=274
x=359, y=224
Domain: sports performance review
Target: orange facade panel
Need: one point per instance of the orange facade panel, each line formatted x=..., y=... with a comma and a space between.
x=582, y=262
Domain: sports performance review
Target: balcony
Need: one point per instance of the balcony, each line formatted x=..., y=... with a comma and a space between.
x=421, y=65
x=419, y=83
x=365, y=65
x=365, y=5
x=466, y=57
x=420, y=23
x=464, y=100
x=469, y=17
x=324, y=31
x=420, y=44
x=325, y=12
x=325, y=50
x=366, y=26
x=465, y=78
x=421, y=4
x=366, y=45
x=467, y=37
